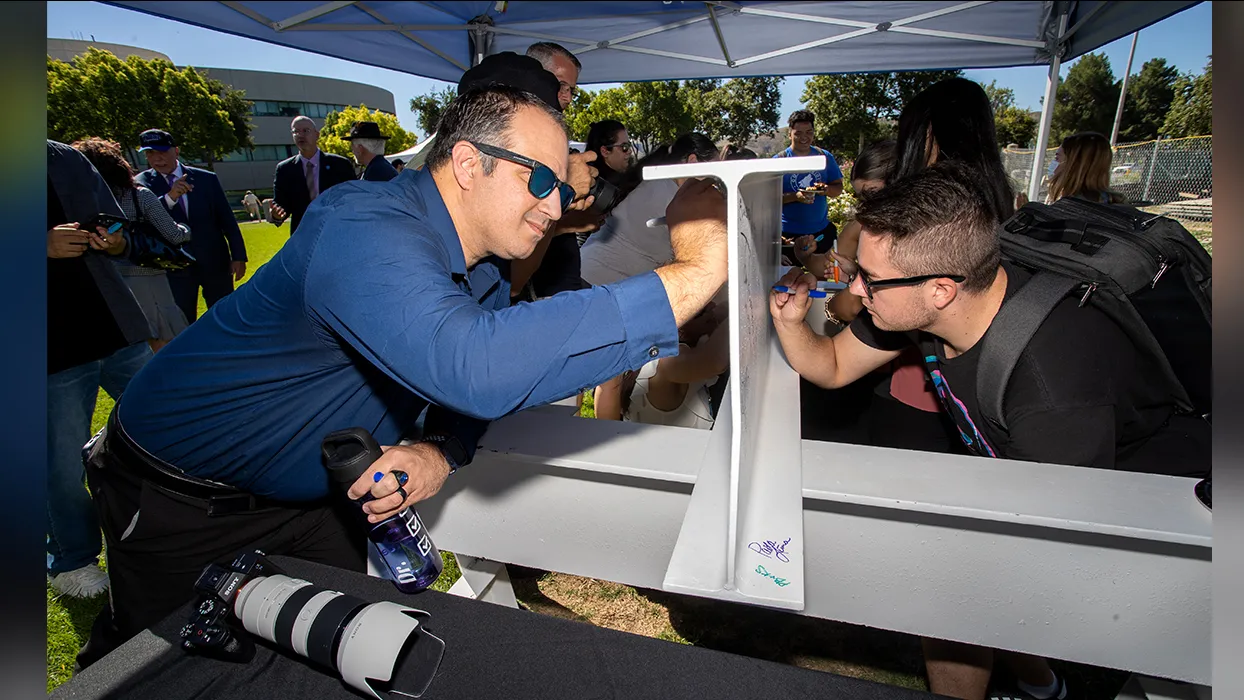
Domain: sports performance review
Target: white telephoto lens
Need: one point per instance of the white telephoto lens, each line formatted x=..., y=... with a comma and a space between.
x=264, y=604
x=306, y=617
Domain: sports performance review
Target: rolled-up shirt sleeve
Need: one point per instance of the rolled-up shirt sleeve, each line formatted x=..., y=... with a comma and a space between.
x=393, y=300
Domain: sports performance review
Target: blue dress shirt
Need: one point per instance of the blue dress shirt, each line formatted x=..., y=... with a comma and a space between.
x=363, y=319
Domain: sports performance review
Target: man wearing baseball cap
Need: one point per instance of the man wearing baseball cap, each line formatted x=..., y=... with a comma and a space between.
x=367, y=145
x=195, y=198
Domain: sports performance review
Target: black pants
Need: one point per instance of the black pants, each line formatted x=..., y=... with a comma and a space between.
x=159, y=541
x=185, y=284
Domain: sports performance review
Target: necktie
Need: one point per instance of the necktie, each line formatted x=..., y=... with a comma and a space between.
x=311, y=179
x=181, y=201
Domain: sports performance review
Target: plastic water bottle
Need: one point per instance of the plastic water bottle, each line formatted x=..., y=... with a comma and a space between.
x=402, y=541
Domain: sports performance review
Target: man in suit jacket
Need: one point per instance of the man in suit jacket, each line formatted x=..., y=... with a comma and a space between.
x=302, y=178
x=367, y=145
x=195, y=198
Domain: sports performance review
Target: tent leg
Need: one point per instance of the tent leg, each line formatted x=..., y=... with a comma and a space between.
x=1118, y=114
x=1047, y=112
x=1043, y=131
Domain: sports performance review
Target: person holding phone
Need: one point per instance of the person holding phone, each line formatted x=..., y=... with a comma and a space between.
x=195, y=198
x=805, y=196
x=97, y=337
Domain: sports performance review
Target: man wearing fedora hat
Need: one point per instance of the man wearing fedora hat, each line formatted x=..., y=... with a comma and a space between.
x=367, y=145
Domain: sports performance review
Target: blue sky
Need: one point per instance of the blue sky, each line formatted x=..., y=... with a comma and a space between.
x=1183, y=40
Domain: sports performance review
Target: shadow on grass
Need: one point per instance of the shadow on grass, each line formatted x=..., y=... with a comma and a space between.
x=783, y=637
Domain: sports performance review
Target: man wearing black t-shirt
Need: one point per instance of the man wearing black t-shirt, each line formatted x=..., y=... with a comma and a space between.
x=930, y=274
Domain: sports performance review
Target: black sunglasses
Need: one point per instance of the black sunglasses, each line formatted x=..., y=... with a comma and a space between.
x=542, y=181
x=872, y=285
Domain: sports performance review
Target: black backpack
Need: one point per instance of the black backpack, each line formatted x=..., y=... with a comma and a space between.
x=1144, y=271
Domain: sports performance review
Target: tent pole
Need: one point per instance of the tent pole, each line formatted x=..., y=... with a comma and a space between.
x=1118, y=114
x=1047, y=113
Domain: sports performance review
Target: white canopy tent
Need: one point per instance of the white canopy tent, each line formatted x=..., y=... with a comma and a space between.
x=636, y=41
x=948, y=547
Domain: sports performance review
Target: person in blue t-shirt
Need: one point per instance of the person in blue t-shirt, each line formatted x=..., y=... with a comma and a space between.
x=805, y=196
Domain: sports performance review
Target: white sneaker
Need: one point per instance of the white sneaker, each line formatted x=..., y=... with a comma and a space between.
x=87, y=582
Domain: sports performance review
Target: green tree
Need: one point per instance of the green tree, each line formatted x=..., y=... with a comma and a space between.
x=856, y=109
x=999, y=97
x=576, y=115
x=1192, y=109
x=239, y=109
x=1011, y=124
x=1087, y=99
x=738, y=110
x=337, y=125
x=98, y=94
x=658, y=113
x=703, y=98
x=1014, y=125
x=1149, y=97
x=430, y=107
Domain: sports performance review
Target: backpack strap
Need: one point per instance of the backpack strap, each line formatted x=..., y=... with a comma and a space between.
x=1017, y=321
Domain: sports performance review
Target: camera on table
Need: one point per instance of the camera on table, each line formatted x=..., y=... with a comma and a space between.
x=377, y=648
x=209, y=629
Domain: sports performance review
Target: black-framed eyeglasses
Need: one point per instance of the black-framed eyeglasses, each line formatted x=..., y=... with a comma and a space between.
x=626, y=146
x=871, y=286
x=542, y=181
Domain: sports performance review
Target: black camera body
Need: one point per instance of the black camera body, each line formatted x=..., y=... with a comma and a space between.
x=209, y=630
x=606, y=194
x=377, y=648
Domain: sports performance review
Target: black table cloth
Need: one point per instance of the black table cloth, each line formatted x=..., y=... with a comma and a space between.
x=491, y=652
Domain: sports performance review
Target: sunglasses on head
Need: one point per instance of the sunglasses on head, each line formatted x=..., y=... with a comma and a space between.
x=873, y=285
x=542, y=181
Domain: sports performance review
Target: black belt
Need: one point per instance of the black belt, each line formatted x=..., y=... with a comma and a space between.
x=221, y=499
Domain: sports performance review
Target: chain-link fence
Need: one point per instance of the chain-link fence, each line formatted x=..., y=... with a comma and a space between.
x=1173, y=177
x=1174, y=174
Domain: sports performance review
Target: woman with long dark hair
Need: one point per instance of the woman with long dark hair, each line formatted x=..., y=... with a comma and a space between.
x=952, y=120
x=613, y=147
x=625, y=245
x=150, y=286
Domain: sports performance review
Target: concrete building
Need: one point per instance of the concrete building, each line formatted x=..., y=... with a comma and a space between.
x=277, y=98
x=66, y=49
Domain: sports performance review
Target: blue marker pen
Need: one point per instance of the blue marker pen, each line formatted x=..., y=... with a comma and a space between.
x=813, y=293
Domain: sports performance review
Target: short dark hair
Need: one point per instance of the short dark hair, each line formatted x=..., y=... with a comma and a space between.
x=939, y=222
x=483, y=115
x=106, y=156
x=544, y=51
x=801, y=115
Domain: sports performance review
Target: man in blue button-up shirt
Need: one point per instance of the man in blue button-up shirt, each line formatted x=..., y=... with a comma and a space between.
x=393, y=298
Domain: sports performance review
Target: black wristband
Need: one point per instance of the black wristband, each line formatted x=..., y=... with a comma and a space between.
x=451, y=448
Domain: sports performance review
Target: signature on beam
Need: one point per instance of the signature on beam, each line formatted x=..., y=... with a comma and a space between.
x=765, y=572
x=771, y=549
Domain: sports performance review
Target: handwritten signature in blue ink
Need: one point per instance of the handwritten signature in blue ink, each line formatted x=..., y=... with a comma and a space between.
x=765, y=572
x=771, y=549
